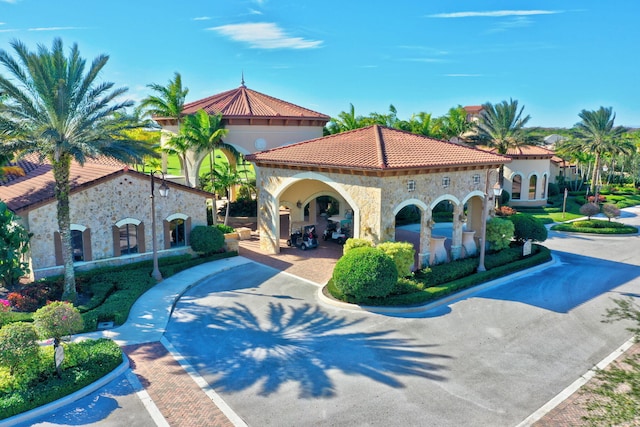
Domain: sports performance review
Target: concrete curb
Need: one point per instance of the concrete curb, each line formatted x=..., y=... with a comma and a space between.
x=420, y=309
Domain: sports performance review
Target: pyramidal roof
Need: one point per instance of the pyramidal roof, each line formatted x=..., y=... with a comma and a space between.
x=245, y=103
x=376, y=148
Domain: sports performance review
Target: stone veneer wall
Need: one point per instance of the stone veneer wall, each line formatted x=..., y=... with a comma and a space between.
x=99, y=207
x=373, y=200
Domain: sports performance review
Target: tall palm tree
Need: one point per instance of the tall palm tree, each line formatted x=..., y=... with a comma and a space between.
x=180, y=145
x=454, y=124
x=56, y=108
x=501, y=126
x=205, y=133
x=168, y=103
x=346, y=120
x=226, y=177
x=596, y=134
x=421, y=124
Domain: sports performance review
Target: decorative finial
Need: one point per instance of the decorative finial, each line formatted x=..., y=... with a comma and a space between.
x=242, y=82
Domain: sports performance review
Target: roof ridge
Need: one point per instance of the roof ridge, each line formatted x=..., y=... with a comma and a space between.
x=382, y=161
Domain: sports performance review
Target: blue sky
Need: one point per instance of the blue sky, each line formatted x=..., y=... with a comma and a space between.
x=555, y=57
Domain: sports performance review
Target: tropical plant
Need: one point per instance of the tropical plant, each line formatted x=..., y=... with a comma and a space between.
x=420, y=124
x=345, y=121
x=365, y=273
x=206, y=240
x=499, y=233
x=502, y=126
x=18, y=346
x=57, y=320
x=527, y=227
x=169, y=101
x=454, y=124
x=226, y=177
x=596, y=134
x=180, y=145
x=56, y=108
x=402, y=254
x=14, y=239
x=204, y=133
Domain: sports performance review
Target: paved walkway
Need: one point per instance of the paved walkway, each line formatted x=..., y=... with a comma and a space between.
x=174, y=394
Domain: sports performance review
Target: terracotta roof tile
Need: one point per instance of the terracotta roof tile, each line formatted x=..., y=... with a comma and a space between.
x=376, y=148
x=246, y=103
x=19, y=193
x=523, y=151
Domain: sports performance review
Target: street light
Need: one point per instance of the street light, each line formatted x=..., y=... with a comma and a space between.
x=164, y=191
x=497, y=191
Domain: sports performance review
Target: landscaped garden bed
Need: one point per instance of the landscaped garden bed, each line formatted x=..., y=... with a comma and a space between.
x=596, y=226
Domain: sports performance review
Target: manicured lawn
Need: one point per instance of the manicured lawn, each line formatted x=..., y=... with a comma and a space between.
x=173, y=166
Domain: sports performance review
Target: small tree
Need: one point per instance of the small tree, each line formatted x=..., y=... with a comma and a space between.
x=499, y=233
x=589, y=209
x=610, y=211
x=57, y=319
x=528, y=227
x=18, y=346
x=14, y=244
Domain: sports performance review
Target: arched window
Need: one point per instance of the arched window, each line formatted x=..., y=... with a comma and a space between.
x=128, y=239
x=516, y=187
x=544, y=186
x=533, y=182
x=178, y=232
x=77, y=245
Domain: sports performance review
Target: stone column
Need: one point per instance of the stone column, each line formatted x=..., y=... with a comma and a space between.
x=268, y=222
x=456, y=236
x=424, y=257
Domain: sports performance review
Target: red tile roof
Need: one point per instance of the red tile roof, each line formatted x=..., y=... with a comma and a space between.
x=36, y=188
x=473, y=109
x=246, y=103
x=524, y=151
x=376, y=148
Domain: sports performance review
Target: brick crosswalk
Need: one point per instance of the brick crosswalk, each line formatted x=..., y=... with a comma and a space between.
x=180, y=400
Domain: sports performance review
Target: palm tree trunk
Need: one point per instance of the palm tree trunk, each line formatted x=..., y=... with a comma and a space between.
x=594, y=175
x=186, y=171
x=213, y=188
x=61, y=172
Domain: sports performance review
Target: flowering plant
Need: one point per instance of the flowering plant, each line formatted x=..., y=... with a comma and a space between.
x=57, y=319
x=5, y=307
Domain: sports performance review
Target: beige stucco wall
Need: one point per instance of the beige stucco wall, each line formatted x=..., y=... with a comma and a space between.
x=374, y=200
x=99, y=207
x=526, y=169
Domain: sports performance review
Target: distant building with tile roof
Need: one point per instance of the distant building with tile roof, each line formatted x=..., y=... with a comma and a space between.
x=255, y=122
x=109, y=211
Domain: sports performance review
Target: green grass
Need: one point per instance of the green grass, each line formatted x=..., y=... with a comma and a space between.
x=173, y=166
x=596, y=226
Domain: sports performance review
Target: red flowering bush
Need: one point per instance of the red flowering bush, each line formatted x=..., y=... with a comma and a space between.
x=505, y=211
x=35, y=295
x=5, y=307
x=601, y=199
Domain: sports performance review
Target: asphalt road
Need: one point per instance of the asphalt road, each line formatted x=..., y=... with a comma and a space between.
x=278, y=358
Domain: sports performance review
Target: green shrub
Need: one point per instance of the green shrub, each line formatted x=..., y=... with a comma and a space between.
x=610, y=211
x=553, y=189
x=206, y=240
x=225, y=229
x=443, y=273
x=356, y=243
x=57, y=319
x=402, y=254
x=596, y=226
x=364, y=273
x=84, y=363
x=528, y=227
x=504, y=197
x=499, y=233
x=18, y=346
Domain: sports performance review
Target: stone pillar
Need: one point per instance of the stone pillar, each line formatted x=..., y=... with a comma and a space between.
x=268, y=223
x=313, y=212
x=456, y=236
x=424, y=257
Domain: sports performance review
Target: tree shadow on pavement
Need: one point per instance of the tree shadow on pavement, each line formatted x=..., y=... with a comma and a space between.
x=561, y=289
x=300, y=344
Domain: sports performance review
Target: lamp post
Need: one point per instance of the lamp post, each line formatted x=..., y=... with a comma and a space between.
x=488, y=197
x=164, y=191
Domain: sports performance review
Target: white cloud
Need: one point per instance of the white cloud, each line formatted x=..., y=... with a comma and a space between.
x=10, y=1
x=55, y=28
x=494, y=13
x=517, y=22
x=202, y=18
x=264, y=35
x=254, y=12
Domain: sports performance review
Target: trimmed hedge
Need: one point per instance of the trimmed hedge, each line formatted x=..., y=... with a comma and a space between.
x=595, y=226
x=364, y=273
x=84, y=363
x=429, y=292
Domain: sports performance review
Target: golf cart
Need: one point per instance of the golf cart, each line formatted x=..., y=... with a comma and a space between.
x=304, y=238
x=337, y=229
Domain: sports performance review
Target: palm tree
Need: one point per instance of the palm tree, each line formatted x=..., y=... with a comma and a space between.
x=180, y=145
x=501, y=126
x=596, y=134
x=56, y=108
x=454, y=124
x=345, y=121
x=226, y=177
x=420, y=124
x=167, y=104
x=205, y=133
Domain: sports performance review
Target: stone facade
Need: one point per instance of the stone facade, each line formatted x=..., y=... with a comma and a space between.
x=526, y=169
x=97, y=208
x=375, y=200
